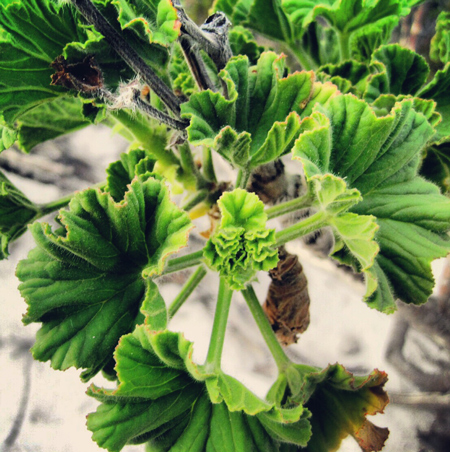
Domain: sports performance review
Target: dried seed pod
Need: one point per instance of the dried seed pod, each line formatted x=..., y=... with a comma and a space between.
x=84, y=76
x=287, y=302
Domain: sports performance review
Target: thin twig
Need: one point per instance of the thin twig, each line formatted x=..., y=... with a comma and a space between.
x=158, y=114
x=128, y=54
x=212, y=36
x=196, y=63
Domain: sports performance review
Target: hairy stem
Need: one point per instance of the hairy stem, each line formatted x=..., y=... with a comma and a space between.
x=193, y=281
x=306, y=62
x=242, y=178
x=128, y=54
x=53, y=206
x=310, y=224
x=289, y=206
x=275, y=348
x=181, y=263
x=189, y=166
x=195, y=200
x=153, y=142
x=158, y=114
x=344, y=45
x=208, y=165
x=214, y=357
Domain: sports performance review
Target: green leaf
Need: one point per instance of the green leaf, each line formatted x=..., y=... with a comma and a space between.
x=7, y=137
x=182, y=79
x=407, y=71
x=365, y=41
x=155, y=21
x=437, y=90
x=242, y=246
x=164, y=399
x=242, y=42
x=121, y=173
x=16, y=211
x=50, y=120
x=354, y=233
x=85, y=281
x=37, y=32
x=345, y=16
x=379, y=156
x=440, y=43
x=339, y=403
x=259, y=120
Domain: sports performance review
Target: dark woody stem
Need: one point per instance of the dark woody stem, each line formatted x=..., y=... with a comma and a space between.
x=128, y=54
x=158, y=114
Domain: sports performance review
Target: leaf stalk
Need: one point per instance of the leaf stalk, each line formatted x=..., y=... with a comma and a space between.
x=214, y=357
x=293, y=205
x=190, y=285
x=181, y=263
x=310, y=224
x=281, y=360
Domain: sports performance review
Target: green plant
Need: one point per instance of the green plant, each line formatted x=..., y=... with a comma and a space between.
x=368, y=126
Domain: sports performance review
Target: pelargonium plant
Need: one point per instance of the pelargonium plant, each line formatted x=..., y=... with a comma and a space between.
x=369, y=124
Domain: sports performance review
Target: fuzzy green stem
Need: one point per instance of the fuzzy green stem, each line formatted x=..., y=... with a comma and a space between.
x=189, y=167
x=214, y=357
x=153, y=142
x=186, y=290
x=208, y=165
x=306, y=62
x=289, y=206
x=242, y=178
x=282, y=361
x=181, y=263
x=53, y=206
x=195, y=200
x=310, y=224
x=344, y=45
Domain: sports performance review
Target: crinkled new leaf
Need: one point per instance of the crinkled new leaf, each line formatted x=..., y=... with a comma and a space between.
x=242, y=246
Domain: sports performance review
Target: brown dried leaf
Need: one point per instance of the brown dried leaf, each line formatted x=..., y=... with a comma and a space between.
x=287, y=302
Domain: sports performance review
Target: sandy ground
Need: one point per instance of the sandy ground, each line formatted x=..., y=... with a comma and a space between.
x=343, y=329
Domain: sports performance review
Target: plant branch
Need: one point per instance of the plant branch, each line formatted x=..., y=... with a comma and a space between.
x=196, y=63
x=128, y=54
x=212, y=36
x=282, y=361
x=310, y=224
x=159, y=115
x=193, y=281
x=293, y=205
x=214, y=357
